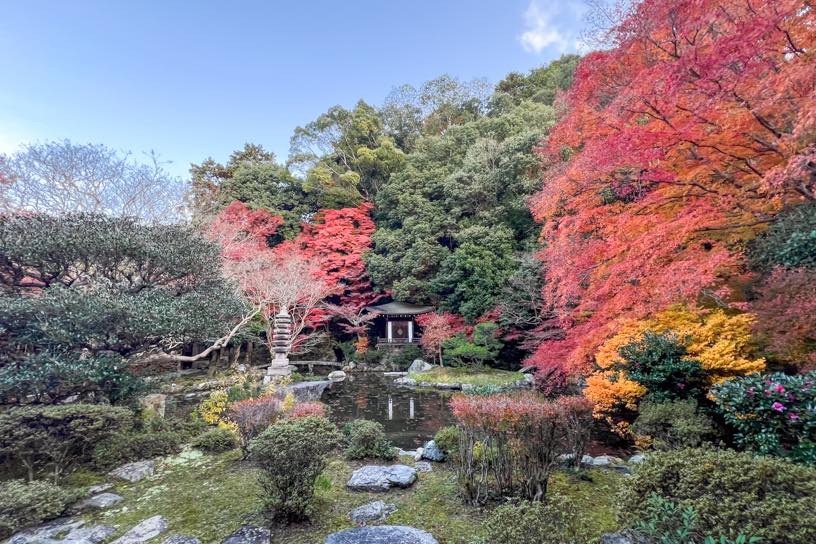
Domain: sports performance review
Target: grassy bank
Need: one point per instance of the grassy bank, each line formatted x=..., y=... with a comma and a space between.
x=210, y=496
x=476, y=376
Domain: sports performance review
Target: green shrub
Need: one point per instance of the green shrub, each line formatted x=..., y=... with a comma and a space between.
x=447, y=438
x=773, y=414
x=790, y=241
x=291, y=455
x=366, y=440
x=482, y=346
x=58, y=437
x=404, y=356
x=28, y=503
x=555, y=521
x=732, y=493
x=658, y=362
x=216, y=440
x=672, y=424
x=123, y=448
x=668, y=523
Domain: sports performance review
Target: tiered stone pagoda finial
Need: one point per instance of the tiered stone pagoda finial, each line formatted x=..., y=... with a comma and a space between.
x=281, y=338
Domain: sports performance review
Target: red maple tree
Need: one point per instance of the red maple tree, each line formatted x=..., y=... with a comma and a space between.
x=678, y=144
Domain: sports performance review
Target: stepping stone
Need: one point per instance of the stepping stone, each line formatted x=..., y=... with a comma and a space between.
x=144, y=531
x=89, y=535
x=383, y=534
x=379, y=479
x=133, y=472
x=249, y=534
x=99, y=488
x=46, y=531
x=432, y=452
x=423, y=466
x=103, y=500
x=372, y=511
x=181, y=539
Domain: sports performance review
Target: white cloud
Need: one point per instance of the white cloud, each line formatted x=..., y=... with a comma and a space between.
x=546, y=25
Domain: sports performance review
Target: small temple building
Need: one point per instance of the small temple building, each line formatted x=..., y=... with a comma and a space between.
x=396, y=323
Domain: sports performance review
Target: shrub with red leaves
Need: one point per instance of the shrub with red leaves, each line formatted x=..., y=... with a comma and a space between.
x=307, y=409
x=252, y=416
x=510, y=444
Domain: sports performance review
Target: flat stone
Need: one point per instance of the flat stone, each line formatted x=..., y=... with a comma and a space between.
x=99, y=488
x=382, y=534
x=606, y=461
x=144, y=531
x=46, y=531
x=401, y=452
x=380, y=479
x=89, y=535
x=249, y=534
x=406, y=381
x=451, y=386
x=637, y=459
x=102, y=500
x=468, y=387
x=181, y=539
x=587, y=460
x=423, y=466
x=432, y=452
x=626, y=536
x=133, y=472
x=395, y=374
x=418, y=454
x=373, y=511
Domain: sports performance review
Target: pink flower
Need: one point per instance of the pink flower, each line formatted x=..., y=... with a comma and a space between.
x=780, y=389
x=751, y=391
x=778, y=406
x=793, y=417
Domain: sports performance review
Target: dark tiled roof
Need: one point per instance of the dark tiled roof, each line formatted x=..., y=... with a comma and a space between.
x=401, y=308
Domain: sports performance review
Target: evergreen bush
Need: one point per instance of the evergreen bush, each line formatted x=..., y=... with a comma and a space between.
x=732, y=493
x=366, y=440
x=291, y=455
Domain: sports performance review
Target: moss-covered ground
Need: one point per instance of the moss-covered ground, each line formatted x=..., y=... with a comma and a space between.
x=210, y=496
x=478, y=376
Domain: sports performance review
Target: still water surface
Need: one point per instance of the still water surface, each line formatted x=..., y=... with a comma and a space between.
x=410, y=416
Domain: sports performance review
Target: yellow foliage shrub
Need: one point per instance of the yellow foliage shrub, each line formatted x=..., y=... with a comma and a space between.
x=721, y=342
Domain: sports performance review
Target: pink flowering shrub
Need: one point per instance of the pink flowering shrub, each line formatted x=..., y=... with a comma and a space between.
x=773, y=414
x=510, y=443
x=307, y=409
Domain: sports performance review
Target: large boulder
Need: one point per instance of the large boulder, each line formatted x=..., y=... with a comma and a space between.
x=420, y=366
x=249, y=534
x=133, y=472
x=373, y=511
x=155, y=402
x=432, y=452
x=380, y=479
x=337, y=375
x=383, y=534
x=144, y=531
x=308, y=391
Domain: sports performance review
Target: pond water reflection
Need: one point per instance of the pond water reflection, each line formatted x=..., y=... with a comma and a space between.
x=410, y=416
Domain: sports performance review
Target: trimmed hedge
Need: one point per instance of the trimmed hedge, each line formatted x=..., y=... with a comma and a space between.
x=733, y=493
x=27, y=503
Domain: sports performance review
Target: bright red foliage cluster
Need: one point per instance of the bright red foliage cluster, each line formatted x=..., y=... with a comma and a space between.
x=436, y=328
x=308, y=409
x=679, y=143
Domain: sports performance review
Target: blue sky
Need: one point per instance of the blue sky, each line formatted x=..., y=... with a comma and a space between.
x=200, y=78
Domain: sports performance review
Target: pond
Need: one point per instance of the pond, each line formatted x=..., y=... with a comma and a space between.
x=410, y=416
